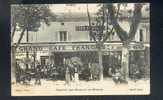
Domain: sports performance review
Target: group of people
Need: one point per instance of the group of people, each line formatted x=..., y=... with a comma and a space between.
x=24, y=72
x=135, y=73
x=68, y=72
x=116, y=74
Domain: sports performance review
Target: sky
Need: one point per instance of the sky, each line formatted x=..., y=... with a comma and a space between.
x=63, y=8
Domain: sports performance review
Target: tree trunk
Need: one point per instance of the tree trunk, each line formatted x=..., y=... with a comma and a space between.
x=90, y=26
x=13, y=65
x=27, y=53
x=20, y=38
x=100, y=63
x=35, y=55
x=13, y=57
x=13, y=33
x=125, y=62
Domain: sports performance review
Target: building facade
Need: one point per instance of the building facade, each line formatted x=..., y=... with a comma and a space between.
x=68, y=36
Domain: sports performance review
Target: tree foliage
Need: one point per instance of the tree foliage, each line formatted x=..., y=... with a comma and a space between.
x=108, y=15
x=135, y=20
x=29, y=18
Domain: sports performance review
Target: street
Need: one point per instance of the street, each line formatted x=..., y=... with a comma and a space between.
x=105, y=87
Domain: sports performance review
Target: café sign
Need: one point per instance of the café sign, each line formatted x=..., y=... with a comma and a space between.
x=75, y=47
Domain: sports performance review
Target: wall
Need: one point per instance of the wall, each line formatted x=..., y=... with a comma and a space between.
x=51, y=33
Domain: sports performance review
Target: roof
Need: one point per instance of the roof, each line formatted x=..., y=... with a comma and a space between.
x=84, y=17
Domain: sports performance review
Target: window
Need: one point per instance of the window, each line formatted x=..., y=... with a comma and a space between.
x=62, y=23
x=63, y=35
x=44, y=60
x=141, y=35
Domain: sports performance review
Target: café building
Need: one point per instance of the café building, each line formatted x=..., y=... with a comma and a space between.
x=68, y=37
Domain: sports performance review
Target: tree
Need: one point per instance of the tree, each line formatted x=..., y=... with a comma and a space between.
x=91, y=34
x=29, y=18
x=25, y=18
x=101, y=35
x=110, y=12
x=124, y=36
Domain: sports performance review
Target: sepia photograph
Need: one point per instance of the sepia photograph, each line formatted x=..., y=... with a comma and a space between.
x=80, y=49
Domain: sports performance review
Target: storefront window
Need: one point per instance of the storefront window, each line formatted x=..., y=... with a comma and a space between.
x=137, y=62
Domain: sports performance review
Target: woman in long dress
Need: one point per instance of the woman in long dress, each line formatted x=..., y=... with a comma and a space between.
x=76, y=74
x=67, y=75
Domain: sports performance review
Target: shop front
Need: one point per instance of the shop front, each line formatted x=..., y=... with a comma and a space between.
x=57, y=54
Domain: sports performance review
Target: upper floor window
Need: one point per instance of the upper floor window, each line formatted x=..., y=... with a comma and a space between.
x=63, y=35
x=141, y=35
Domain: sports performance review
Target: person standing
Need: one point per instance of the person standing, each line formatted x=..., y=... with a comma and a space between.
x=38, y=75
x=116, y=76
x=76, y=74
x=67, y=75
x=18, y=72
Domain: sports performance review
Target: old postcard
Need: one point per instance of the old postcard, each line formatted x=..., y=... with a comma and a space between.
x=80, y=49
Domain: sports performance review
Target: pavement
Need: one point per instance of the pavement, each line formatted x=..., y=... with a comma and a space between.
x=104, y=87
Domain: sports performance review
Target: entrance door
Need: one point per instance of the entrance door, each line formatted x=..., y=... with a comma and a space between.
x=137, y=62
x=58, y=59
x=111, y=60
x=44, y=60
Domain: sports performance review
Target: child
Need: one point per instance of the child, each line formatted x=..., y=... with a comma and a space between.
x=117, y=76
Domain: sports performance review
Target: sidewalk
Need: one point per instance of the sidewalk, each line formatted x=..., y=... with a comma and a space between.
x=105, y=87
